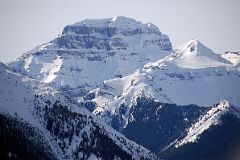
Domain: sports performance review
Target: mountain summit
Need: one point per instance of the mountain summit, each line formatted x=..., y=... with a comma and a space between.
x=194, y=54
x=116, y=22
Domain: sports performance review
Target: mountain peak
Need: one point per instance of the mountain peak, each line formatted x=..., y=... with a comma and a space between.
x=194, y=54
x=123, y=19
x=195, y=46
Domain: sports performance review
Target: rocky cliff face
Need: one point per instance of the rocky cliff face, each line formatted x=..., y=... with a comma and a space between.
x=112, y=34
x=91, y=51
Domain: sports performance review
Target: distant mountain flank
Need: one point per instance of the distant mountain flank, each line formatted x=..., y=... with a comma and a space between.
x=166, y=98
x=191, y=74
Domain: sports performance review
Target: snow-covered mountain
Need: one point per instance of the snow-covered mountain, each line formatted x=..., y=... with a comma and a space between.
x=39, y=122
x=233, y=57
x=192, y=74
x=175, y=103
x=91, y=51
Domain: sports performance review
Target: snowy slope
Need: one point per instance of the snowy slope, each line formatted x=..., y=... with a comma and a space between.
x=71, y=131
x=93, y=50
x=212, y=117
x=215, y=135
x=233, y=57
x=194, y=55
x=192, y=74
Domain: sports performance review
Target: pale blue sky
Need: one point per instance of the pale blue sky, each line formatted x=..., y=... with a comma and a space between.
x=25, y=24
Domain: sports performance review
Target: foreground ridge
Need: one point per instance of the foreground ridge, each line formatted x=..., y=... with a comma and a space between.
x=50, y=123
